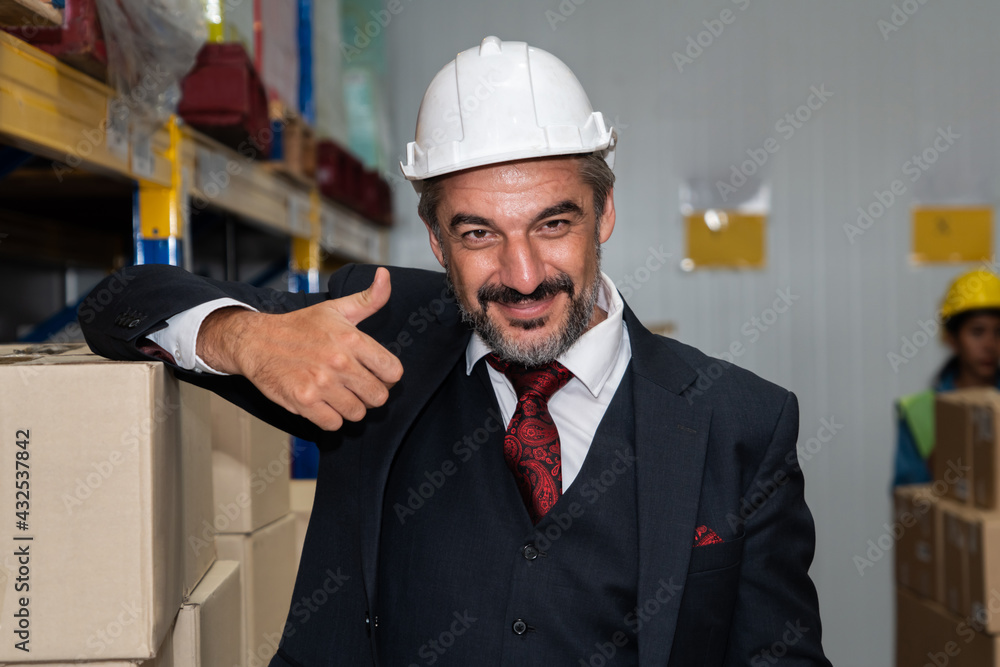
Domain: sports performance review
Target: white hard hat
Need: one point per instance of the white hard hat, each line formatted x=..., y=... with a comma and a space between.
x=503, y=101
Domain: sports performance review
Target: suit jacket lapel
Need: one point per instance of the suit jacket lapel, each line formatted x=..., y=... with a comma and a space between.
x=425, y=366
x=671, y=442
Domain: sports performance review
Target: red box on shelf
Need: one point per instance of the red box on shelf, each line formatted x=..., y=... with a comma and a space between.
x=339, y=174
x=79, y=42
x=223, y=97
x=377, y=196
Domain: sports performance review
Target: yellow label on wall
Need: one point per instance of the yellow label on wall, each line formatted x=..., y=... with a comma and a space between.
x=952, y=234
x=725, y=239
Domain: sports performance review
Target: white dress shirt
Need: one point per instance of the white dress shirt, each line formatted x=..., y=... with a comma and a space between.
x=180, y=337
x=597, y=360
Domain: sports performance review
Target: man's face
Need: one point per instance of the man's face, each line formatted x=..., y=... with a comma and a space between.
x=520, y=244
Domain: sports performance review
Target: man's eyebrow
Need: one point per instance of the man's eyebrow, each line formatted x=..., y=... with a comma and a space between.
x=561, y=208
x=469, y=219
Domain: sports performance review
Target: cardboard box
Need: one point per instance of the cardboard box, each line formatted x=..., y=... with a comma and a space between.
x=985, y=413
x=196, y=483
x=209, y=629
x=164, y=658
x=303, y=491
x=984, y=570
x=919, y=546
x=953, y=445
x=927, y=634
x=267, y=575
x=957, y=522
x=104, y=506
x=251, y=469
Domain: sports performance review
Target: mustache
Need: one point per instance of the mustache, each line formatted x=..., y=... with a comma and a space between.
x=508, y=295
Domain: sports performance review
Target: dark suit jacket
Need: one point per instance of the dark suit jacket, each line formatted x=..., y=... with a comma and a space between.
x=715, y=446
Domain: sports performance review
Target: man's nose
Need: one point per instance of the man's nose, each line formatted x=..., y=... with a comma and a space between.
x=521, y=267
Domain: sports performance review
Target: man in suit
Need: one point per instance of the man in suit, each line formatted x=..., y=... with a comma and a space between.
x=513, y=470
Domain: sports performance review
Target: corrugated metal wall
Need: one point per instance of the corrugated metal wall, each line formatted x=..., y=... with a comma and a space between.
x=890, y=91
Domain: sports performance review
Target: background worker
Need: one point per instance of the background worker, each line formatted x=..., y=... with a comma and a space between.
x=970, y=314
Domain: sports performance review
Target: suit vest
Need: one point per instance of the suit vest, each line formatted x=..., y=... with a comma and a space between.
x=465, y=579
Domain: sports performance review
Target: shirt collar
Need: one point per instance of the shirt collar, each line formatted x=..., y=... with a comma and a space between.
x=592, y=357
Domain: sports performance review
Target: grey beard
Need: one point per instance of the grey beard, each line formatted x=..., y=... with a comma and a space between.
x=581, y=311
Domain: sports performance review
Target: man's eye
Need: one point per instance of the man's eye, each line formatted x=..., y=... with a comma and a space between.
x=477, y=234
x=554, y=224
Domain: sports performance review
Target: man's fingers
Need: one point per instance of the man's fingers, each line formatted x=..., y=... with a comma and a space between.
x=360, y=306
x=382, y=363
x=324, y=416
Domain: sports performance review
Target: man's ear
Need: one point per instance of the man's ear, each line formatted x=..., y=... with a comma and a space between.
x=435, y=244
x=607, y=220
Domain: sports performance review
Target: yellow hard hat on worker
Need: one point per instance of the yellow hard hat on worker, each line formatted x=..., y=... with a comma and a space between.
x=975, y=290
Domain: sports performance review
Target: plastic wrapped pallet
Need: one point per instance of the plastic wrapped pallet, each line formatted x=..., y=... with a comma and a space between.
x=151, y=45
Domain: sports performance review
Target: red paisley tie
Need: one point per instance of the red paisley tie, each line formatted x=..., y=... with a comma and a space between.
x=531, y=444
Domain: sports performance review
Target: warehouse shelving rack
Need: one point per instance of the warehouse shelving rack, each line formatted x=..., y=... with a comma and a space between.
x=50, y=110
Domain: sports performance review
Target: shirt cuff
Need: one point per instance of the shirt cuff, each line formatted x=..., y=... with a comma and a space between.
x=180, y=337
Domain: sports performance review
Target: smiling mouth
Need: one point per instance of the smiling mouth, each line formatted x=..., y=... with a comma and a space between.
x=528, y=309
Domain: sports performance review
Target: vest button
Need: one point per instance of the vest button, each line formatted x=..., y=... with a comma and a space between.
x=519, y=627
x=529, y=551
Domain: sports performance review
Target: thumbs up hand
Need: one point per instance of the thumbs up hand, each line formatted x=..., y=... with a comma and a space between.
x=313, y=362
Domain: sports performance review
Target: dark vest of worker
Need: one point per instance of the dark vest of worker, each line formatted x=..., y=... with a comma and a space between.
x=463, y=576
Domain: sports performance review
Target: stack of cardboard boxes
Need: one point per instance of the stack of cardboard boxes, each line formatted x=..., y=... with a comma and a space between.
x=948, y=541
x=108, y=518
x=251, y=463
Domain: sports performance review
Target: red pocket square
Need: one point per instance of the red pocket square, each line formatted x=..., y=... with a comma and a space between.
x=704, y=535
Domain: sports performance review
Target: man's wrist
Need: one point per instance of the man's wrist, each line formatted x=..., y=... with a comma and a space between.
x=224, y=336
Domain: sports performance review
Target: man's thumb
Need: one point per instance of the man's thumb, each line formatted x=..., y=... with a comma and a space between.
x=360, y=306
